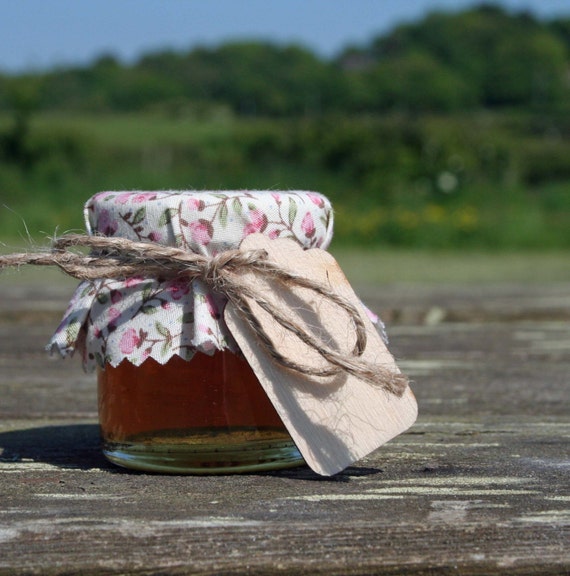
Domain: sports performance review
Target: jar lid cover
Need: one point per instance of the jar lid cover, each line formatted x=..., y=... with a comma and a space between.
x=138, y=318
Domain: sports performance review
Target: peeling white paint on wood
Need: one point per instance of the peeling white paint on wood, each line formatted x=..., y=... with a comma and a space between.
x=132, y=527
x=79, y=496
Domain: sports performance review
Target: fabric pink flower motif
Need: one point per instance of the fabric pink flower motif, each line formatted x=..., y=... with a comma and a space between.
x=123, y=198
x=316, y=200
x=178, y=289
x=204, y=329
x=106, y=225
x=129, y=341
x=212, y=308
x=193, y=203
x=130, y=282
x=257, y=222
x=113, y=314
x=155, y=236
x=308, y=225
x=140, y=198
x=201, y=232
x=116, y=296
x=274, y=234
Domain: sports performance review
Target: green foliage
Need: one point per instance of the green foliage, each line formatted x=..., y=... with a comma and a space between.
x=476, y=181
x=496, y=59
x=449, y=132
x=480, y=57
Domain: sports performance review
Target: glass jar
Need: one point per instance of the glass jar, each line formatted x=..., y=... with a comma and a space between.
x=207, y=415
x=175, y=393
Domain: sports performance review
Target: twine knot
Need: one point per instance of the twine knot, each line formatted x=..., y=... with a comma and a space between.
x=120, y=258
x=215, y=268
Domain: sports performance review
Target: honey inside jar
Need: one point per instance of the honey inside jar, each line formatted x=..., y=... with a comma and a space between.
x=206, y=415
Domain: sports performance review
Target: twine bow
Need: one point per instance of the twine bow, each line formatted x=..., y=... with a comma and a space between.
x=120, y=258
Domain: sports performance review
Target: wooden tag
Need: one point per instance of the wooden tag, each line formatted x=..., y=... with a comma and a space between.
x=334, y=421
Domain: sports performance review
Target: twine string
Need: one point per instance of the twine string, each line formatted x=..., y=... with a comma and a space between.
x=120, y=258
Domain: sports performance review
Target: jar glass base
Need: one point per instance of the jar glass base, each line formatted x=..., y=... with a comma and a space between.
x=204, y=452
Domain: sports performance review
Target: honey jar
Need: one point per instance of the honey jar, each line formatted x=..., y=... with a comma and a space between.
x=175, y=393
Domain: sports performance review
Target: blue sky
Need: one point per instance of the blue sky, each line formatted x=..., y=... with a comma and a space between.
x=42, y=33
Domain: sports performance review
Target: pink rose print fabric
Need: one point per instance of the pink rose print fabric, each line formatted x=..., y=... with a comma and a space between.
x=109, y=320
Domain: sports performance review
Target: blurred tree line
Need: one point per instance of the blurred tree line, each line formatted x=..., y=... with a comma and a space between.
x=482, y=57
x=453, y=131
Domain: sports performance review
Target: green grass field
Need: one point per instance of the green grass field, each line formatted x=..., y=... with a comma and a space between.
x=483, y=183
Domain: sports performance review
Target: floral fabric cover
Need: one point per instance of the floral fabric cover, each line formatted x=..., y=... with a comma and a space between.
x=111, y=320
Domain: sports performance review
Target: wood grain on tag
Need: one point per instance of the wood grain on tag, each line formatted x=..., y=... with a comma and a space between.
x=334, y=421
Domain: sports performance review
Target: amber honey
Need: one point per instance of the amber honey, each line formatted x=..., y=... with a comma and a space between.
x=206, y=415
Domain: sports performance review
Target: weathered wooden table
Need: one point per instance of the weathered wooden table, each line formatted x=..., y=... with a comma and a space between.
x=479, y=485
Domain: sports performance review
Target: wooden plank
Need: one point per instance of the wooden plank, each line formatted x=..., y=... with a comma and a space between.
x=479, y=485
